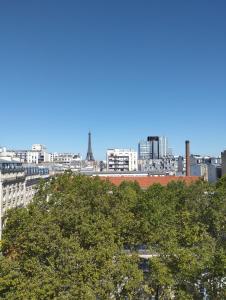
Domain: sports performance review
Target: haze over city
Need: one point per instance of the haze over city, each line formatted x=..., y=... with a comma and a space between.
x=122, y=69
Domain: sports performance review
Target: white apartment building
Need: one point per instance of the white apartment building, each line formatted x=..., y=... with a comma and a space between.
x=121, y=160
x=7, y=154
x=38, y=147
x=38, y=154
x=17, y=185
x=65, y=157
x=34, y=157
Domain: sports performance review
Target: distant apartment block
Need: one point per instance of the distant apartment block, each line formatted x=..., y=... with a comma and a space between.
x=164, y=166
x=120, y=160
x=200, y=170
x=65, y=158
x=223, y=158
x=37, y=155
x=205, y=166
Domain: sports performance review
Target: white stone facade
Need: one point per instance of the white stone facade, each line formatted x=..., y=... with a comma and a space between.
x=16, y=188
x=38, y=154
x=38, y=147
x=121, y=160
x=65, y=157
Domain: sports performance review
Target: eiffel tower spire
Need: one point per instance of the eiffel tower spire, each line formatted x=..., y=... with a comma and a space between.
x=89, y=155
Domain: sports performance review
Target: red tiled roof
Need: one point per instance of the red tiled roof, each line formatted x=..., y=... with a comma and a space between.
x=146, y=181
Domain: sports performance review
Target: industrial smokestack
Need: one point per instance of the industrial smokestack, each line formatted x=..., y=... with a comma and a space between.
x=187, y=155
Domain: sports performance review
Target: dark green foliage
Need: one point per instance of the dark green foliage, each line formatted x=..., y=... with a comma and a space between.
x=69, y=243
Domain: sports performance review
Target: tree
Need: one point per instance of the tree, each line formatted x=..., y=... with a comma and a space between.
x=79, y=239
x=67, y=244
x=183, y=228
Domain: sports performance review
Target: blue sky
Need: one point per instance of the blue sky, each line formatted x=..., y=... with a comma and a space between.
x=124, y=69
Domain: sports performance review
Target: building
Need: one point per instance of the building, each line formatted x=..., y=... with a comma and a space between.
x=206, y=166
x=38, y=154
x=199, y=170
x=144, y=150
x=214, y=172
x=223, y=159
x=164, y=150
x=17, y=184
x=180, y=165
x=7, y=154
x=166, y=166
x=20, y=154
x=155, y=147
x=65, y=158
x=146, y=181
x=34, y=157
x=38, y=147
x=120, y=160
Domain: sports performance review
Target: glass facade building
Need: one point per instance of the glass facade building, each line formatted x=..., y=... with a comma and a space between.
x=155, y=147
x=144, y=150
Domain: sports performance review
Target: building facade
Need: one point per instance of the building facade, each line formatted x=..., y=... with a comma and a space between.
x=17, y=185
x=65, y=158
x=144, y=150
x=37, y=155
x=166, y=166
x=223, y=159
x=121, y=160
x=206, y=166
x=155, y=147
x=200, y=170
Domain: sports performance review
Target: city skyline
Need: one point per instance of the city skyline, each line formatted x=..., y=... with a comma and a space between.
x=84, y=153
x=124, y=69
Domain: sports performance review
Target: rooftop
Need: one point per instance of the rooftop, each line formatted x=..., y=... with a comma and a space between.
x=146, y=181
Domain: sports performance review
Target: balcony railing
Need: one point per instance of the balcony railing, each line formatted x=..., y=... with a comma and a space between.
x=11, y=170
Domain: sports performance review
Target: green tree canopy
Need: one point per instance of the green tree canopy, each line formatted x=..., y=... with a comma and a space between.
x=80, y=239
x=67, y=244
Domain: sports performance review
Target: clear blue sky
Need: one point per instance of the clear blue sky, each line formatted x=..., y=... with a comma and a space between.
x=124, y=69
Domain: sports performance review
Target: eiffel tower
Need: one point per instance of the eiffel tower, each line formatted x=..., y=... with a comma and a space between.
x=89, y=155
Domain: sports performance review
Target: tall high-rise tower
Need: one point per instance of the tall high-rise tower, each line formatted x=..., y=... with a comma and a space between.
x=156, y=147
x=154, y=141
x=89, y=155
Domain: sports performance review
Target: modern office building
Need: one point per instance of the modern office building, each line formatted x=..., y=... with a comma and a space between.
x=164, y=150
x=155, y=147
x=121, y=160
x=144, y=150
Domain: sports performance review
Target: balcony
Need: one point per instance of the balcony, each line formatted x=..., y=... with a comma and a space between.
x=11, y=170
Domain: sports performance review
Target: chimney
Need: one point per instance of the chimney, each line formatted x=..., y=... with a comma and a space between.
x=187, y=155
